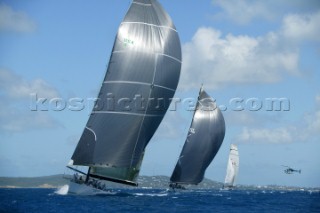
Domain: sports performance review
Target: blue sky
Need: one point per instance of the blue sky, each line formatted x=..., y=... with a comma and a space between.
x=243, y=50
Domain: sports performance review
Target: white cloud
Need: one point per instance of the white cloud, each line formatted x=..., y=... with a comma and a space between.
x=264, y=135
x=245, y=11
x=302, y=27
x=242, y=11
x=15, y=86
x=15, y=114
x=313, y=123
x=15, y=21
x=16, y=120
x=216, y=61
x=251, y=118
x=313, y=120
x=306, y=129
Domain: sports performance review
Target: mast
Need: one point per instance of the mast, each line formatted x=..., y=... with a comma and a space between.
x=88, y=174
x=144, y=69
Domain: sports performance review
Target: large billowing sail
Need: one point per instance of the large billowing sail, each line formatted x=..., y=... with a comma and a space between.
x=204, y=139
x=232, y=167
x=141, y=79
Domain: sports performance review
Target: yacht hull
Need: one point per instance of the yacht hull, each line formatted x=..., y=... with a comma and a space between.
x=83, y=189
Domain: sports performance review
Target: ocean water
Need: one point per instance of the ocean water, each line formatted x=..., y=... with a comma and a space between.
x=159, y=200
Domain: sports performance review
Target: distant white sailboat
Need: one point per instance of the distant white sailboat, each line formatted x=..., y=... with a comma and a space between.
x=232, y=167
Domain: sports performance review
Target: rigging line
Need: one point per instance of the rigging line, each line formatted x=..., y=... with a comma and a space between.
x=194, y=112
x=207, y=108
x=167, y=88
x=169, y=56
x=126, y=113
x=127, y=82
x=148, y=24
x=91, y=130
x=139, y=3
x=141, y=83
x=151, y=88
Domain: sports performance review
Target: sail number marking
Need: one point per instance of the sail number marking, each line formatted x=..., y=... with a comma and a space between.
x=127, y=42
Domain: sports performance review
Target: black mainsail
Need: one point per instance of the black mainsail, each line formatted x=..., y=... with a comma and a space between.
x=204, y=139
x=141, y=79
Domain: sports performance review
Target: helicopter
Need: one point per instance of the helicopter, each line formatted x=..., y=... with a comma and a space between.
x=290, y=170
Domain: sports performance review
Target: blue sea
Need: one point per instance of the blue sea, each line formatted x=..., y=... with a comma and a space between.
x=159, y=200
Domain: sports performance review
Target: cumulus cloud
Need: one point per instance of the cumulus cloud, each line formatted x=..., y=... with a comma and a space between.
x=217, y=60
x=14, y=86
x=313, y=120
x=307, y=129
x=17, y=120
x=245, y=11
x=15, y=21
x=242, y=11
x=279, y=135
x=314, y=123
x=15, y=114
x=250, y=118
x=302, y=27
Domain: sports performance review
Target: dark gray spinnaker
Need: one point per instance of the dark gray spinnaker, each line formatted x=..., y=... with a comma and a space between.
x=141, y=79
x=204, y=139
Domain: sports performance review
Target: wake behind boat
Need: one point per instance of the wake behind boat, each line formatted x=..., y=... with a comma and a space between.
x=144, y=68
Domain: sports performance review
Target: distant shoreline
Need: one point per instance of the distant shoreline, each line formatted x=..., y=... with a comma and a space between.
x=53, y=181
x=161, y=182
x=43, y=186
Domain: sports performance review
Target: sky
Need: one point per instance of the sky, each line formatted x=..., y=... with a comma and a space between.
x=248, y=54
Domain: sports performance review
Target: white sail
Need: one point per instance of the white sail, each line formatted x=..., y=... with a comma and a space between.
x=232, y=167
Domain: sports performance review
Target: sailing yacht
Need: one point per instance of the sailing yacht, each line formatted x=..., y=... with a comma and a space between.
x=144, y=69
x=232, y=167
x=204, y=139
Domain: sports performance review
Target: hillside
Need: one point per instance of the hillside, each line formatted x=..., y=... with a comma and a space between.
x=52, y=181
